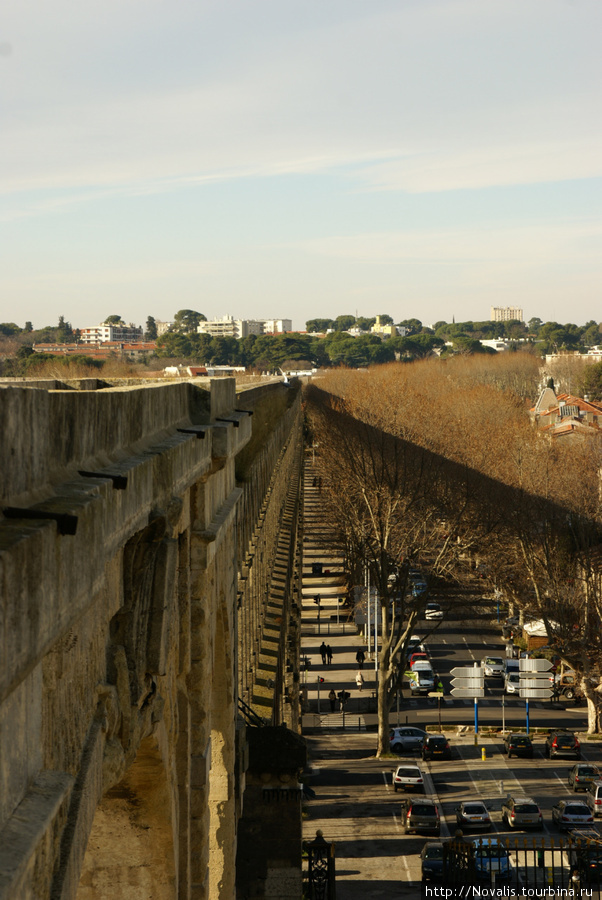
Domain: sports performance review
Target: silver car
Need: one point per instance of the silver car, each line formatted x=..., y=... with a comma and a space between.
x=494, y=667
x=521, y=812
x=472, y=814
x=406, y=738
x=571, y=814
x=512, y=683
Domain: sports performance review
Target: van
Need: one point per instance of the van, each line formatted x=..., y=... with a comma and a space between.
x=422, y=678
x=593, y=798
x=511, y=665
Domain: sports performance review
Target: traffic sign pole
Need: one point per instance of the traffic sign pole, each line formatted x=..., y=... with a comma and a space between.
x=527, y=711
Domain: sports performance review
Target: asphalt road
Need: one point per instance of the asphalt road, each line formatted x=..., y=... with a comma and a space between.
x=458, y=644
x=356, y=807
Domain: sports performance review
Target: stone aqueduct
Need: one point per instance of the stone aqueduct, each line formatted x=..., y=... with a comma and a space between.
x=149, y=641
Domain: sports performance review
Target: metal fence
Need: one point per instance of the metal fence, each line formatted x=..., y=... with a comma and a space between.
x=524, y=866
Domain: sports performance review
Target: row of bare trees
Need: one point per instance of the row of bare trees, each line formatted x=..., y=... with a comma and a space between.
x=434, y=465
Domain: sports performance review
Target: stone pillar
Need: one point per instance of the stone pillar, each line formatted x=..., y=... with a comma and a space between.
x=268, y=862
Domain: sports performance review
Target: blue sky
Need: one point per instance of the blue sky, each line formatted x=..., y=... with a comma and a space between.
x=276, y=158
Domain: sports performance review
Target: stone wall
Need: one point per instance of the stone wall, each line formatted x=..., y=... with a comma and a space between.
x=122, y=539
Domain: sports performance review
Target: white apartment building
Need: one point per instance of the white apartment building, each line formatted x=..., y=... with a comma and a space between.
x=100, y=334
x=228, y=326
x=276, y=326
x=506, y=313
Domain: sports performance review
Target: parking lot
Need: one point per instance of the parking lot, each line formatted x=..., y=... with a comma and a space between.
x=355, y=805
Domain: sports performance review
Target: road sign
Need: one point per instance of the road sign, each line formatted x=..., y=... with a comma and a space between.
x=537, y=684
x=535, y=665
x=534, y=693
x=435, y=694
x=467, y=683
x=473, y=693
x=468, y=672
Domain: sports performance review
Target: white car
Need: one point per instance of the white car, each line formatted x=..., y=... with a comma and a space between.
x=408, y=778
x=433, y=611
x=494, y=667
x=512, y=683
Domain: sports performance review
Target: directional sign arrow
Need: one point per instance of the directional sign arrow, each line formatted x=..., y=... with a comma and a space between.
x=468, y=682
x=536, y=684
x=535, y=693
x=468, y=672
x=468, y=692
x=435, y=694
x=535, y=665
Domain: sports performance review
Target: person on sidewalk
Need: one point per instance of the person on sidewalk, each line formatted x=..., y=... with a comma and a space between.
x=329, y=654
x=361, y=657
x=359, y=680
x=323, y=652
x=333, y=699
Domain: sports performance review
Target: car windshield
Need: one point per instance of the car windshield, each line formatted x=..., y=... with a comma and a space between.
x=576, y=809
x=493, y=661
x=521, y=741
x=408, y=773
x=492, y=852
x=586, y=770
x=433, y=853
x=424, y=809
x=437, y=742
x=474, y=808
x=526, y=808
x=564, y=741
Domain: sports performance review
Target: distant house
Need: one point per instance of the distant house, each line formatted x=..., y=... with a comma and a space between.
x=562, y=415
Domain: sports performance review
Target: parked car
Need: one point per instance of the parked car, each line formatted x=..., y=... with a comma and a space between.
x=435, y=746
x=433, y=611
x=408, y=778
x=491, y=857
x=512, y=683
x=585, y=854
x=521, y=812
x=405, y=738
x=518, y=745
x=494, y=667
x=569, y=814
x=420, y=815
x=582, y=775
x=431, y=858
x=562, y=743
x=593, y=798
x=472, y=814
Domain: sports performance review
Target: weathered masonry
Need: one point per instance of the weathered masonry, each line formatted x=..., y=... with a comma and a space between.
x=149, y=641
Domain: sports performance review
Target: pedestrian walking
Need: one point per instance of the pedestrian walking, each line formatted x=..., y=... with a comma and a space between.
x=343, y=698
x=329, y=653
x=323, y=653
x=361, y=658
x=359, y=680
x=333, y=699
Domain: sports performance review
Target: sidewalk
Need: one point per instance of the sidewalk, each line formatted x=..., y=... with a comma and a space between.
x=329, y=622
